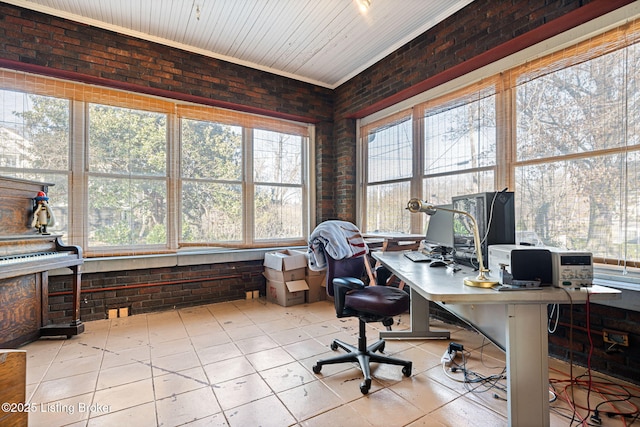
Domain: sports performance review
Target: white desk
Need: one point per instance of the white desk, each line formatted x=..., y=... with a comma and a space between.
x=515, y=320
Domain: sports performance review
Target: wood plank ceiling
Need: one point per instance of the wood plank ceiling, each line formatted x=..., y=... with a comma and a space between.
x=324, y=42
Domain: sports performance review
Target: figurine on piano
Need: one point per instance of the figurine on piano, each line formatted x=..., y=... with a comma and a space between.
x=43, y=215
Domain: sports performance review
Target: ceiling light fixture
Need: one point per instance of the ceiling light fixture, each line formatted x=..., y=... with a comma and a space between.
x=363, y=5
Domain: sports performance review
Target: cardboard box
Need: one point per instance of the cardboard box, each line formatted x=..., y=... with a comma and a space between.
x=287, y=293
x=284, y=276
x=311, y=272
x=317, y=287
x=285, y=260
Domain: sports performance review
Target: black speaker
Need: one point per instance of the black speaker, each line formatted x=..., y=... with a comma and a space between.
x=532, y=264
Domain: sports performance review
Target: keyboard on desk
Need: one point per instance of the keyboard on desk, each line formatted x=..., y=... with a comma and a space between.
x=417, y=256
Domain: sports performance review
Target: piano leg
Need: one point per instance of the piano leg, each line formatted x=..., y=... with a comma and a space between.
x=76, y=326
x=77, y=279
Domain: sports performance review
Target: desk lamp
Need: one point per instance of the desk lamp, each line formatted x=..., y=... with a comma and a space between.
x=481, y=281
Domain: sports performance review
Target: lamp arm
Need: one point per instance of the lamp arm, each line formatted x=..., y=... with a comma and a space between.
x=416, y=205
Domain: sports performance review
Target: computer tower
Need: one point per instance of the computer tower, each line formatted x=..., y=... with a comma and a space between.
x=494, y=213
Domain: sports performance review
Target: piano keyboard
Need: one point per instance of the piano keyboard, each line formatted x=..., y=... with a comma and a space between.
x=38, y=256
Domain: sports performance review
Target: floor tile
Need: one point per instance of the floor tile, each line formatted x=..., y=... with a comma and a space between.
x=381, y=409
x=342, y=416
x=459, y=412
x=240, y=391
x=309, y=399
x=62, y=411
x=250, y=362
x=126, y=395
x=123, y=374
x=218, y=353
x=266, y=412
x=175, y=362
x=179, y=382
x=187, y=407
x=271, y=358
x=287, y=376
x=140, y=416
x=66, y=387
x=228, y=369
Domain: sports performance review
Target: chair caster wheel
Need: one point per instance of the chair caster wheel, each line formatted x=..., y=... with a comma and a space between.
x=381, y=349
x=316, y=369
x=334, y=346
x=406, y=370
x=365, y=386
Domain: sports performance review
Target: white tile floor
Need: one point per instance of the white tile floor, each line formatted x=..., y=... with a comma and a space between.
x=248, y=363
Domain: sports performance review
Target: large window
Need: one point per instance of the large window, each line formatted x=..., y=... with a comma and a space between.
x=389, y=171
x=35, y=135
x=561, y=131
x=577, y=149
x=453, y=153
x=137, y=174
x=459, y=143
x=212, y=194
x=127, y=179
x=278, y=194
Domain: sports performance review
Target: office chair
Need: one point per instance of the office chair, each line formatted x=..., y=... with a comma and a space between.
x=370, y=304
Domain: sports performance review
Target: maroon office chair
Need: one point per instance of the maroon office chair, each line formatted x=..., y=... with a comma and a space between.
x=368, y=303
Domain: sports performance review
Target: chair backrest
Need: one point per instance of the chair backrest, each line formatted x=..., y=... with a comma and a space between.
x=347, y=267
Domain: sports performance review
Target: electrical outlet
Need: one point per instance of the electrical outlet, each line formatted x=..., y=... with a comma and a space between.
x=615, y=337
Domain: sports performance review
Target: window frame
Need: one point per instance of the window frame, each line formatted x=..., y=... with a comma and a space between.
x=80, y=95
x=524, y=61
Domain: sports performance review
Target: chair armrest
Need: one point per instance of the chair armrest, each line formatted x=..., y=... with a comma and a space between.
x=341, y=286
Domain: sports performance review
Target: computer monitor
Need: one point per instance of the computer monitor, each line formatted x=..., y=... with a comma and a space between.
x=439, y=237
x=494, y=213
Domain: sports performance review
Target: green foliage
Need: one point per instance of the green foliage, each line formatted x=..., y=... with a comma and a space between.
x=127, y=141
x=127, y=172
x=212, y=182
x=46, y=125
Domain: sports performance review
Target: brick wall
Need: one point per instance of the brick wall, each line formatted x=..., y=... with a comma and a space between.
x=93, y=54
x=478, y=28
x=568, y=342
x=35, y=42
x=147, y=290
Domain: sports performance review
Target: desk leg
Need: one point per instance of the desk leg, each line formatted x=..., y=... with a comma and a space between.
x=419, y=322
x=527, y=365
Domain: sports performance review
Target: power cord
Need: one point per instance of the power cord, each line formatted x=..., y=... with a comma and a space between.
x=554, y=317
x=473, y=381
x=610, y=393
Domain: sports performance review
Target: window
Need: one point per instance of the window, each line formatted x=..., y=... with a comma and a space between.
x=34, y=145
x=140, y=174
x=212, y=191
x=459, y=133
x=455, y=154
x=278, y=191
x=562, y=131
x=577, y=150
x=389, y=146
x=127, y=179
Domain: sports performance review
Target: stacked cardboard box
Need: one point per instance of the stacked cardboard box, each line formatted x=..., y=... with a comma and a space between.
x=315, y=281
x=285, y=273
x=317, y=286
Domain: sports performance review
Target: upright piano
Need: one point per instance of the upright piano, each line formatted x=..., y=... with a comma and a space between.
x=26, y=257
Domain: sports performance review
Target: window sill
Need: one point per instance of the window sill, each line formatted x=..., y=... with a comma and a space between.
x=628, y=283
x=184, y=257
